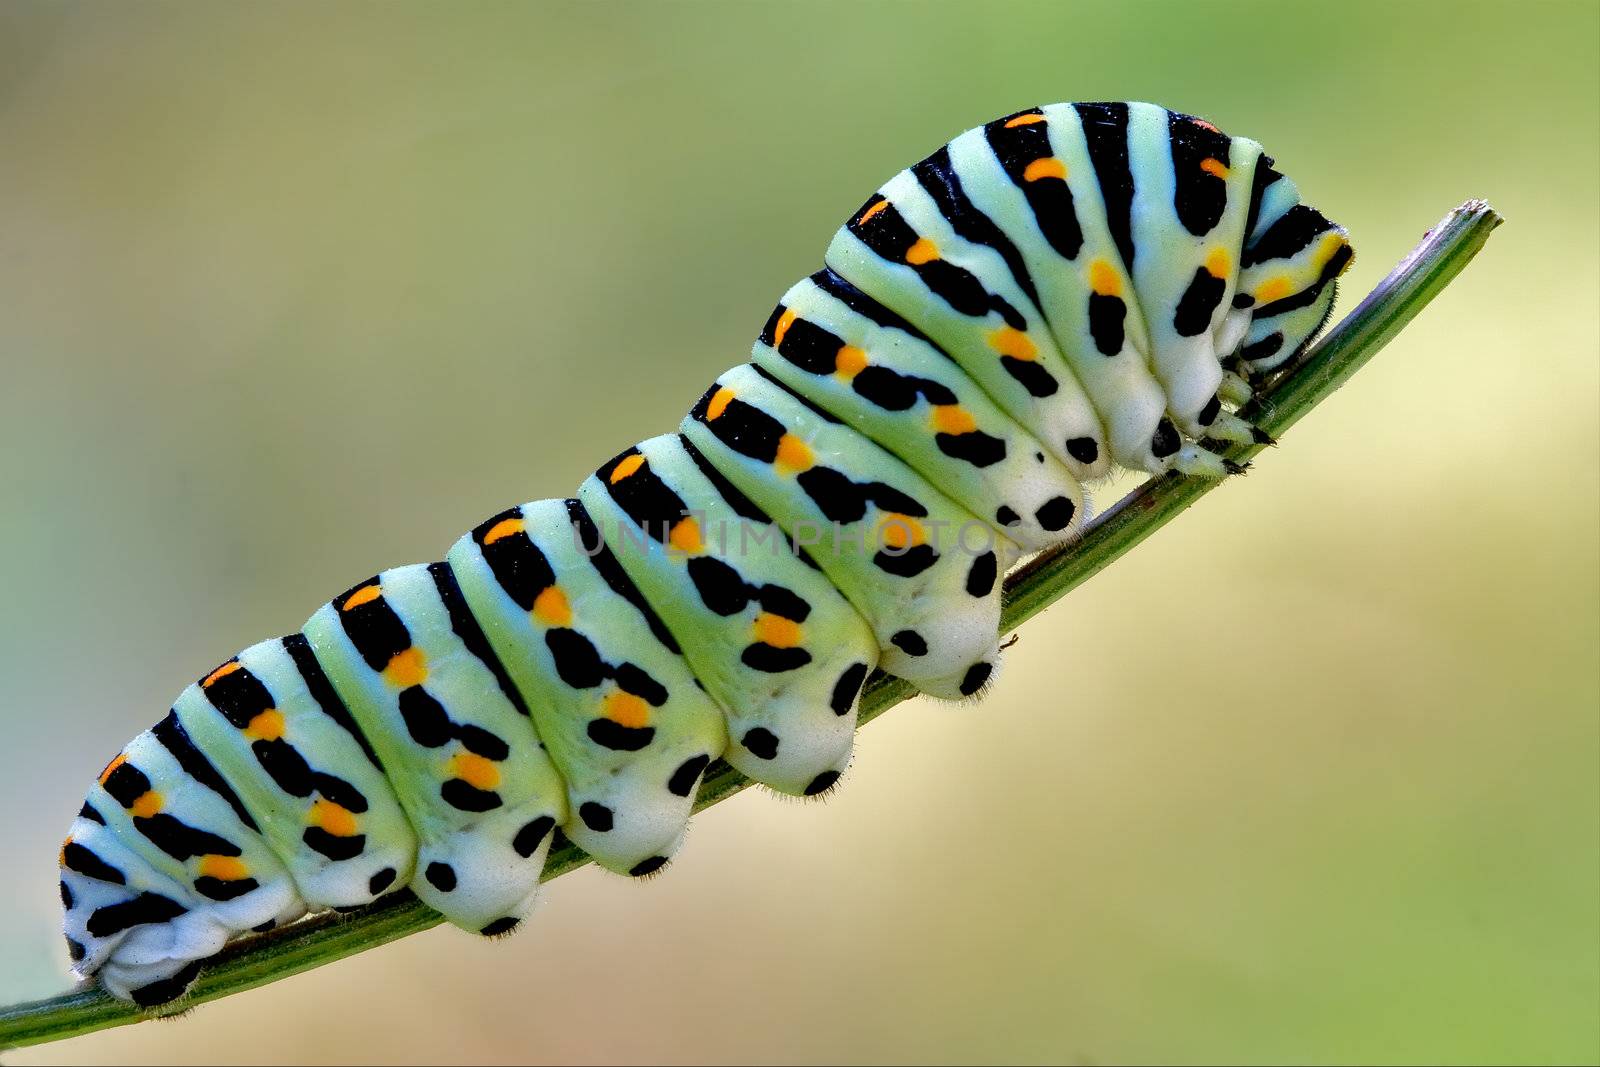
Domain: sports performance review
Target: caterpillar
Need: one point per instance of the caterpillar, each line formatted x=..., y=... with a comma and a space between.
x=1060, y=293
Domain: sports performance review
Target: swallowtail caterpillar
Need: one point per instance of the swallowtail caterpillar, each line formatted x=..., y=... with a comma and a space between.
x=1061, y=292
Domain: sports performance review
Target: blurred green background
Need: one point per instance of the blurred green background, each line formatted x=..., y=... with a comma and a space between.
x=291, y=292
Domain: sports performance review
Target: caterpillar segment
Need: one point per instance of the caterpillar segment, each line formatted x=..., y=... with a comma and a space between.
x=280, y=735
x=427, y=690
x=620, y=712
x=890, y=541
x=1037, y=172
x=779, y=649
x=1061, y=292
x=1188, y=220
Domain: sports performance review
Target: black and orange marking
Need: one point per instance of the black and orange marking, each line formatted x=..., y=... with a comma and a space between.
x=650, y=502
x=245, y=702
x=937, y=175
x=1201, y=160
x=817, y=350
x=1108, y=311
x=882, y=228
x=1021, y=143
x=1203, y=296
x=384, y=642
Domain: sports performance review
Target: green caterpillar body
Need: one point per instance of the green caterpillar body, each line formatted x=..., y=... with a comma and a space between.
x=1061, y=292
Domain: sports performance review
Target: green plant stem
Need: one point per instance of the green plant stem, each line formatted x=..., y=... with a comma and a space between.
x=264, y=958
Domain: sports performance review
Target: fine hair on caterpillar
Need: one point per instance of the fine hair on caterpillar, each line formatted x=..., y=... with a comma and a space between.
x=1062, y=293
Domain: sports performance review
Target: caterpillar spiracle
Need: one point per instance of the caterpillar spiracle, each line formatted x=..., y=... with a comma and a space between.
x=1060, y=292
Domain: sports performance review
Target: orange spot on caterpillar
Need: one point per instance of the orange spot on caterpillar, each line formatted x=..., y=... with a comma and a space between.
x=1273, y=289
x=1219, y=263
x=719, y=403
x=625, y=709
x=953, y=418
x=872, y=209
x=221, y=672
x=778, y=631
x=551, y=608
x=477, y=771
x=628, y=466
x=901, y=531
x=1104, y=279
x=266, y=725
x=407, y=668
x=337, y=819
x=503, y=528
x=365, y=595
x=1214, y=167
x=1024, y=120
x=1049, y=167
x=685, y=535
x=145, y=805
x=1013, y=343
x=785, y=321
x=227, y=868
x=793, y=453
x=849, y=361
x=924, y=251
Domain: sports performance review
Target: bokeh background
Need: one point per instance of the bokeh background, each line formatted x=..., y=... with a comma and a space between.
x=290, y=292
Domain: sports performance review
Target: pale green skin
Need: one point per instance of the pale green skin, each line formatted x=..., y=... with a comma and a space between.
x=649, y=819
x=325, y=744
x=493, y=880
x=795, y=706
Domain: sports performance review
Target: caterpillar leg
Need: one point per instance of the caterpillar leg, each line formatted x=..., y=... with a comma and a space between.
x=616, y=705
x=1196, y=462
x=1235, y=389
